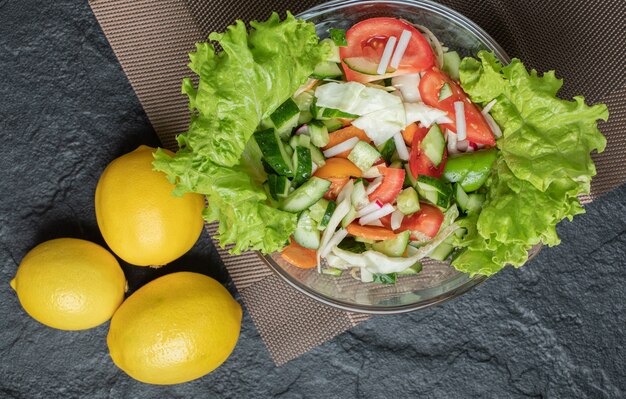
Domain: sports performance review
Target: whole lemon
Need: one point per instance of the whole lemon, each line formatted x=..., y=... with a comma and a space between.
x=140, y=219
x=174, y=329
x=69, y=284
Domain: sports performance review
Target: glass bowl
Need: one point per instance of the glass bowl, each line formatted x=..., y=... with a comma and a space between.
x=438, y=281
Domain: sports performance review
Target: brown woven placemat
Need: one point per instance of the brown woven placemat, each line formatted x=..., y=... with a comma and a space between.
x=583, y=40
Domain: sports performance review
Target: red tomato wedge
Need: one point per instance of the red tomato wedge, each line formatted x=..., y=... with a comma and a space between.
x=478, y=130
x=419, y=163
x=391, y=186
x=367, y=39
x=426, y=221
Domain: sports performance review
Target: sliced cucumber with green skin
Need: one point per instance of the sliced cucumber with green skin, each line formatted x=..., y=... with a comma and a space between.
x=445, y=92
x=326, y=70
x=359, y=197
x=274, y=151
x=318, y=209
x=334, y=47
x=319, y=134
x=331, y=271
x=435, y=191
x=330, y=113
x=305, y=117
x=302, y=165
x=416, y=268
x=278, y=185
x=409, y=176
x=330, y=209
x=461, y=197
x=451, y=64
x=352, y=245
x=443, y=250
x=434, y=144
x=394, y=247
x=302, y=140
x=285, y=118
x=387, y=149
x=363, y=155
x=349, y=218
x=289, y=151
x=304, y=100
x=306, y=233
x=305, y=195
x=317, y=156
x=365, y=65
x=332, y=124
x=408, y=201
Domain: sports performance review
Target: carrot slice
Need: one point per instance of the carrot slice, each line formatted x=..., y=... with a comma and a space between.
x=338, y=167
x=299, y=256
x=341, y=135
x=370, y=232
x=336, y=185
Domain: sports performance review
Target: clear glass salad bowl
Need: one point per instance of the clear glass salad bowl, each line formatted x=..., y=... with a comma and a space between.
x=438, y=281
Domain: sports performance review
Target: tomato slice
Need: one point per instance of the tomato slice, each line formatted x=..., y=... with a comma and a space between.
x=391, y=186
x=478, y=131
x=368, y=39
x=336, y=184
x=419, y=163
x=426, y=221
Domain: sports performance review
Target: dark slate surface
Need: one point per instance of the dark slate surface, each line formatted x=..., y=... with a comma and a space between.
x=554, y=328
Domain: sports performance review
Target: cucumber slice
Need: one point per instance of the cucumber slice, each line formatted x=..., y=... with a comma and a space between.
x=304, y=100
x=443, y=250
x=445, y=92
x=285, y=118
x=461, y=197
x=326, y=69
x=330, y=209
x=305, y=117
x=451, y=63
x=387, y=150
x=349, y=218
x=274, y=151
x=306, y=233
x=363, y=155
x=302, y=165
x=330, y=113
x=365, y=65
x=302, y=140
x=359, y=196
x=409, y=176
x=305, y=195
x=364, y=240
x=334, y=46
x=317, y=156
x=434, y=145
x=416, y=268
x=332, y=124
x=395, y=247
x=408, y=201
x=338, y=36
x=279, y=186
x=475, y=202
x=353, y=245
x=319, y=134
x=435, y=191
x=331, y=271
x=318, y=210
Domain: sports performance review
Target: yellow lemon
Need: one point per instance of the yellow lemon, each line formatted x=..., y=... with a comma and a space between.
x=69, y=284
x=174, y=329
x=140, y=219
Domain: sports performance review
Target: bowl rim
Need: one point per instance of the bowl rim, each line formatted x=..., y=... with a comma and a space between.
x=472, y=281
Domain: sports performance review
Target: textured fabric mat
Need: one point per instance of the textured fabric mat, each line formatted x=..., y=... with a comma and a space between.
x=585, y=41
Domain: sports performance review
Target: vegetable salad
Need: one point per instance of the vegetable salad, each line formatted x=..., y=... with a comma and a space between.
x=377, y=147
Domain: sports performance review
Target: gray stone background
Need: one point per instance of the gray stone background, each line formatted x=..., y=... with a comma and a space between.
x=552, y=329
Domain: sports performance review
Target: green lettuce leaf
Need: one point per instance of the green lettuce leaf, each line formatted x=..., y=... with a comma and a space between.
x=237, y=87
x=543, y=165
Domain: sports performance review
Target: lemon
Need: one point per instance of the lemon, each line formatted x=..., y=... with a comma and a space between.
x=174, y=329
x=140, y=219
x=69, y=284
